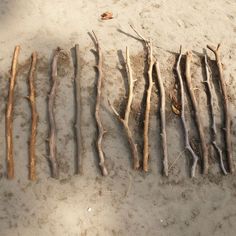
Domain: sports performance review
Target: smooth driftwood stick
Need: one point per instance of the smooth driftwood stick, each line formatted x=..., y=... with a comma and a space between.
x=196, y=112
x=125, y=121
x=163, y=118
x=182, y=114
x=212, y=116
x=9, y=115
x=78, y=168
x=101, y=130
x=227, y=118
x=149, y=49
x=34, y=118
x=52, y=136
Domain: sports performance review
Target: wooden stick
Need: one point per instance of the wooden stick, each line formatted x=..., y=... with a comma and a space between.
x=101, y=130
x=182, y=114
x=196, y=112
x=163, y=118
x=78, y=113
x=9, y=115
x=34, y=118
x=125, y=121
x=52, y=137
x=212, y=116
x=148, y=44
x=227, y=118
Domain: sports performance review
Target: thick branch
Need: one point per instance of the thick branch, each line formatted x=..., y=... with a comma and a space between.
x=52, y=136
x=9, y=115
x=163, y=118
x=125, y=121
x=78, y=113
x=186, y=137
x=148, y=44
x=213, y=122
x=227, y=118
x=34, y=118
x=196, y=112
x=101, y=130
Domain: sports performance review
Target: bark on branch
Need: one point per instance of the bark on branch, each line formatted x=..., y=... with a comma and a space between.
x=9, y=115
x=163, y=118
x=101, y=130
x=34, y=118
x=182, y=115
x=78, y=168
x=196, y=112
x=227, y=118
x=53, y=136
x=125, y=121
x=149, y=49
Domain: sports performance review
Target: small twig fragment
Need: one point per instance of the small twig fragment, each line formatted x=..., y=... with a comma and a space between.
x=9, y=115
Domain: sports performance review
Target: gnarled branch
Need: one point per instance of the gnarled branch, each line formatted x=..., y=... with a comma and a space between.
x=125, y=121
x=182, y=115
x=149, y=49
x=163, y=118
x=9, y=115
x=196, y=112
x=227, y=118
x=101, y=130
x=34, y=118
x=51, y=100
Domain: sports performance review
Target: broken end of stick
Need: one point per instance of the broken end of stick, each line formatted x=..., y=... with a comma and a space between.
x=103, y=170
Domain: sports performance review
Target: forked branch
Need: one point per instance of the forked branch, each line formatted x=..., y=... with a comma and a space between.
x=182, y=115
x=125, y=121
x=227, y=118
x=9, y=115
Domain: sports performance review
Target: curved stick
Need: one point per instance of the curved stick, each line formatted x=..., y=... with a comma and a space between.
x=163, y=118
x=125, y=121
x=227, y=119
x=101, y=130
x=34, y=118
x=182, y=115
x=196, y=112
x=213, y=122
x=52, y=136
x=148, y=44
x=9, y=115
x=78, y=168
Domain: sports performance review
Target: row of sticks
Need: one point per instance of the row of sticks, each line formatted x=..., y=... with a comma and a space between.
x=153, y=66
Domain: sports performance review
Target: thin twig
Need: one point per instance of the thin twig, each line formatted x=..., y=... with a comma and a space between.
x=101, y=130
x=78, y=168
x=183, y=121
x=9, y=115
x=163, y=118
x=149, y=49
x=227, y=118
x=196, y=112
x=125, y=121
x=34, y=118
x=52, y=137
x=212, y=116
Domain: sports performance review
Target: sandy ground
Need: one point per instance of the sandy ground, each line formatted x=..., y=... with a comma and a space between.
x=126, y=202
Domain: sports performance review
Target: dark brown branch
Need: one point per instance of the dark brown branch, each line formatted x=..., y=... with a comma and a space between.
x=182, y=114
x=52, y=136
x=9, y=115
x=227, y=118
x=196, y=112
x=79, y=168
x=212, y=116
x=163, y=118
x=149, y=49
x=125, y=121
x=101, y=130
x=34, y=118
